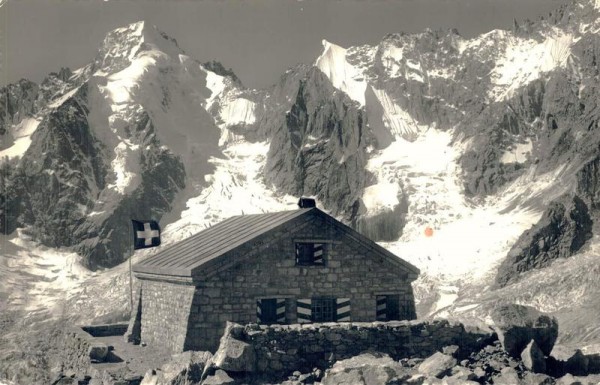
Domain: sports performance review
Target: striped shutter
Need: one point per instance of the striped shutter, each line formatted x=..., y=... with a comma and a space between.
x=318, y=252
x=304, y=310
x=281, y=311
x=270, y=310
x=381, y=308
x=343, y=310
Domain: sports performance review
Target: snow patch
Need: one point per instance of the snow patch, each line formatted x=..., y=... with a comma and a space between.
x=238, y=111
x=22, y=138
x=237, y=178
x=216, y=85
x=48, y=274
x=125, y=167
x=381, y=197
x=468, y=239
x=123, y=84
x=524, y=60
x=343, y=75
x=519, y=154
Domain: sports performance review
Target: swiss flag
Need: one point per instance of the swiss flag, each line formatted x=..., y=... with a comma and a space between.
x=145, y=234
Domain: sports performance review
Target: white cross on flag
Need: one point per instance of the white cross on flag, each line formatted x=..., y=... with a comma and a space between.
x=145, y=234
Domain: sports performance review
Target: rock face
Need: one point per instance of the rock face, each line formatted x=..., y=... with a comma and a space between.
x=517, y=325
x=563, y=230
x=17, y=101
x=533, y=358
x=323, y=122
x=320, y=149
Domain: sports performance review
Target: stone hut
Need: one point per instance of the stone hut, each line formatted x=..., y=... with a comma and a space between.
x=278, y=268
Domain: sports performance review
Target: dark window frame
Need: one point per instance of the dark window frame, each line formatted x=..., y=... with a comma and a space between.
x=307, y=253
x=323, y=309
x=401, y=308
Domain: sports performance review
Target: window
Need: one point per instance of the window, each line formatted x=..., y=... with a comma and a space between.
x=309, y=254
x=323, y=310
x=270, y=311
x=391, y=308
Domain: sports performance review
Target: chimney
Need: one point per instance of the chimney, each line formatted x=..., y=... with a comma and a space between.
x=306, y=203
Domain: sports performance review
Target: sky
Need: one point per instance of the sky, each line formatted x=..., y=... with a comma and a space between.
x=258, y=39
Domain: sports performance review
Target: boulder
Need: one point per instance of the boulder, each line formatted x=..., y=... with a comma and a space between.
x=234, y=355
x=462, y=373
x=452, y=350
x=593, y=363
x=537, y=379
x=554, y=367
x=517, y=325
x=533, y=358
x=97, y=352
x=219, y=378
x=508, y=376
x=437, y=365
x=184, y=368
x=569, y=379
x=577, y=364
x=366, y=369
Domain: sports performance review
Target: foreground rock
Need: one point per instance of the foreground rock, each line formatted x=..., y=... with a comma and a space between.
x=517, y=325
x=533, y=358
x=366, y=369
x=184, y=368
x=438, y=365
x=234, y=355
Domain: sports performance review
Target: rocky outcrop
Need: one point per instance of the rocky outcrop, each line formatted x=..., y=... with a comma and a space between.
x=17, y=101
x=62, y=169
x=320, y=149
x=588, y=184
x=563, y=229
x=517, y=325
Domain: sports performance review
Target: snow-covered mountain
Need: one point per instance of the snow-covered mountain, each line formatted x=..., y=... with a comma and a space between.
x=475, y=159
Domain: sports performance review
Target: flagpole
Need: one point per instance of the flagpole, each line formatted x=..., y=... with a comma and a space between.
x=130, y=271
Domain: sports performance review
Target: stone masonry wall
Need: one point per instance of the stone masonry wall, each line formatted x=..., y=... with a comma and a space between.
x=165, y=313
x=352, y=271
x=302, y=347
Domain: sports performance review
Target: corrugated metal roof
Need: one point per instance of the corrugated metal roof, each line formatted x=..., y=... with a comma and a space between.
x=179, y=259
x=184, y=258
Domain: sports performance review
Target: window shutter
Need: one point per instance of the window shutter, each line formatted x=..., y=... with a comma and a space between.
x=343, y=309
x=381, y=308
x=270, y=311
x=318, y=254
x=281, y=311
x=304, y=310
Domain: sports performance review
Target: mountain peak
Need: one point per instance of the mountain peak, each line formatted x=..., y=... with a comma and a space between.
x=121, y=45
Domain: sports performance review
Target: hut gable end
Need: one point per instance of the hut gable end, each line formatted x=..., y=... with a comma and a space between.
x=289, y=267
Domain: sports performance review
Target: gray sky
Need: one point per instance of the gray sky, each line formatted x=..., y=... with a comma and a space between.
x=258, y=39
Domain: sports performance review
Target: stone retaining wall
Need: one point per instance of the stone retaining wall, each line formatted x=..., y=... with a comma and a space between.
x=106, y=330
x=300, y=347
